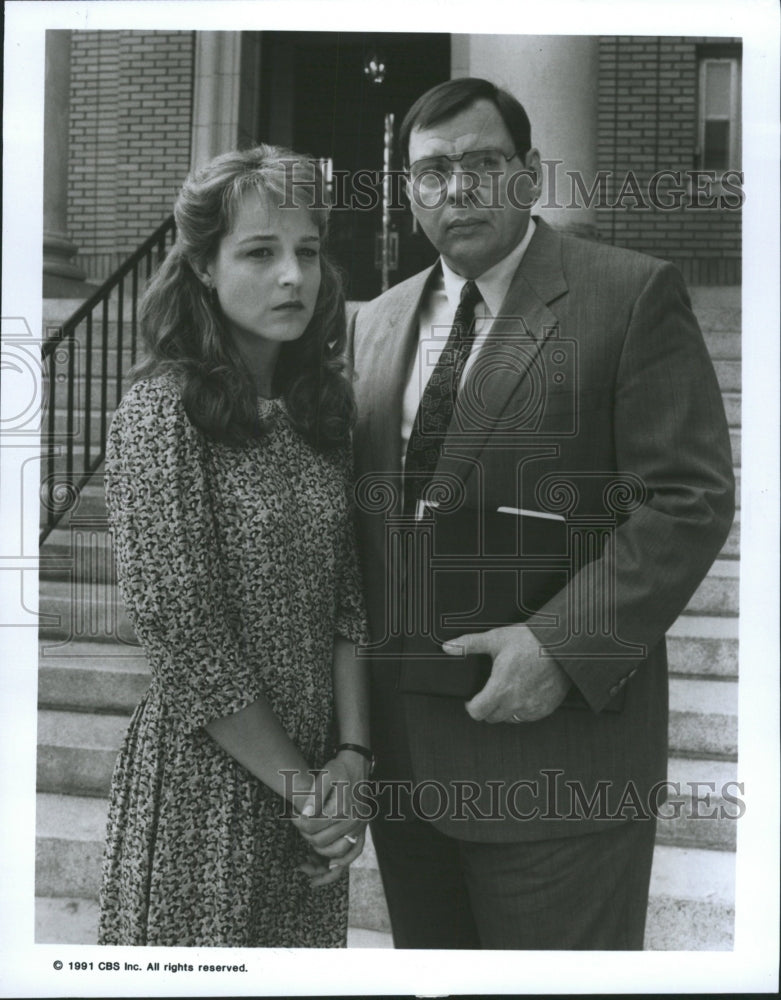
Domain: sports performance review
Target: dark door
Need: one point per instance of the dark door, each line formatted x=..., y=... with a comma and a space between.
x=318, y=98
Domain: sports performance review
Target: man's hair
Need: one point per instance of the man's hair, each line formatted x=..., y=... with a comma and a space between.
x=447, y=99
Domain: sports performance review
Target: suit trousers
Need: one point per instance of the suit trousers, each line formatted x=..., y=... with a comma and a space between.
x=570, y=893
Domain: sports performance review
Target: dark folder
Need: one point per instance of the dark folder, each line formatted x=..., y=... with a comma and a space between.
x=474, y=570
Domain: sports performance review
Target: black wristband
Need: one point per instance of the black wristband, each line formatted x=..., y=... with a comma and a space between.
x=363, y=751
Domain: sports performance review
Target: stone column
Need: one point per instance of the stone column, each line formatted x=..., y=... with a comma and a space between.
x=556, y=78
x=216, y=94
x=61, y=276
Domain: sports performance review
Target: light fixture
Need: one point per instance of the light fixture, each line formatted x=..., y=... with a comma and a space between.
x=374, y=67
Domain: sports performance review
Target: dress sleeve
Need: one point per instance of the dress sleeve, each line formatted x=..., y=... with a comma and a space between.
x=167, y=557
x=351, y=621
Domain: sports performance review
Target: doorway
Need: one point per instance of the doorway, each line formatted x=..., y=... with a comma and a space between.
x=328, y=94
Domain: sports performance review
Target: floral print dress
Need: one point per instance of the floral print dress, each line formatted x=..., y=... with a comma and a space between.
x=237, y=566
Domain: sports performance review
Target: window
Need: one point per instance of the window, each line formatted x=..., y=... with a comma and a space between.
x=719, y=112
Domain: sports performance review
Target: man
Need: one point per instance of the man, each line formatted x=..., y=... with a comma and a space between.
x=569, y=405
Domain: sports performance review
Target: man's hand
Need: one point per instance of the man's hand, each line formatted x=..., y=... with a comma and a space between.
x=523, y=685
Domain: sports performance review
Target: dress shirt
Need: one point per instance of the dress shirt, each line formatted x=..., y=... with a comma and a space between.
x=437, y=311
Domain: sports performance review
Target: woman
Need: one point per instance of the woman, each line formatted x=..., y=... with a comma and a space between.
x=227, y=484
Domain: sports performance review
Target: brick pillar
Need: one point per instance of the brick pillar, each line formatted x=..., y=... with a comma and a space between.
x=216, y=94
x=556, y=79
x=61, y=277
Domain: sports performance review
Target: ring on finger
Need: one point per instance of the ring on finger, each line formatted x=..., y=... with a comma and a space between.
x=515, y=717
x=350, y=839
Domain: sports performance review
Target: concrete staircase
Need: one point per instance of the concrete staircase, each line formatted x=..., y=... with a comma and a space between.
x=92, y=674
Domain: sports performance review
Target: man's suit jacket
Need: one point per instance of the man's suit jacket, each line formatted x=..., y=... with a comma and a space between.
x=594, y=397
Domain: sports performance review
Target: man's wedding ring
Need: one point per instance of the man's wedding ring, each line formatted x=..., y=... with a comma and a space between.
x=515, y=718
x=352, y=840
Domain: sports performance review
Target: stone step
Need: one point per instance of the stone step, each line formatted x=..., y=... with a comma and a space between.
x=91, y=504
x=728, y=374
x=59, y=399
x=91, y=507
x=99, y=429
x=731, y=547
x=718, y=594
x=698, y=645
x=718, y=307
x=703, y=718
x=735, y=442
x=77, y=751
x=702, y=646
x=57, y=494
x=114, y=356
x=731, y=397
x=78, y=550
x=83, y=611
x=723, y=345
x=357, y=937
x=732, y=407
x=57, y=311
x=62, y=445
x=70, y=832
x=59, y=452
x=78, y=611
x=80, y=423
x=88, y=502
x=74, y=360
x=697, y=815
x=692, y=900
x=81, y=550
x=691, y=905
x=368, y=909
x=92, y=497
x=685, y=881
x=64, y=920
x=92, y=677
x=703, y=806
x=66, y=556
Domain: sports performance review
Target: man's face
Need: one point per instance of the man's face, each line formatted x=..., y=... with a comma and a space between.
x=472, y=231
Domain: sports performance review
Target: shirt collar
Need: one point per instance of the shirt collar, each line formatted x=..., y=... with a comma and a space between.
x=493, y=283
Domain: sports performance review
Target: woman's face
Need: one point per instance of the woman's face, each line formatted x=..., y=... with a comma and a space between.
x=267, y=272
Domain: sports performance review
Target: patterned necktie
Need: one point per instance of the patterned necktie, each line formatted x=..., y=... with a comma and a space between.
x=438, y=399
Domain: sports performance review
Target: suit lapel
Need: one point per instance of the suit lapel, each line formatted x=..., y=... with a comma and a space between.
x=383, y=370
x=512, y=350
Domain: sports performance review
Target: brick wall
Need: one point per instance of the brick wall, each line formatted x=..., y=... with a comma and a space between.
x=648, y=101
x=130, y=126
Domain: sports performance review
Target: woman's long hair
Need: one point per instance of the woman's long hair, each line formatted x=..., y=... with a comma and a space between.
x=184, y=330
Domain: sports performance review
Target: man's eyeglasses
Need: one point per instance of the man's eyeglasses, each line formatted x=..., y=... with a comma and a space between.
x=435, y=170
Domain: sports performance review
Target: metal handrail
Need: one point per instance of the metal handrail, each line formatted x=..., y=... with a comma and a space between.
x=64, y=474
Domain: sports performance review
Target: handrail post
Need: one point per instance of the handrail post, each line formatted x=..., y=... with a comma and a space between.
x=64, y=343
